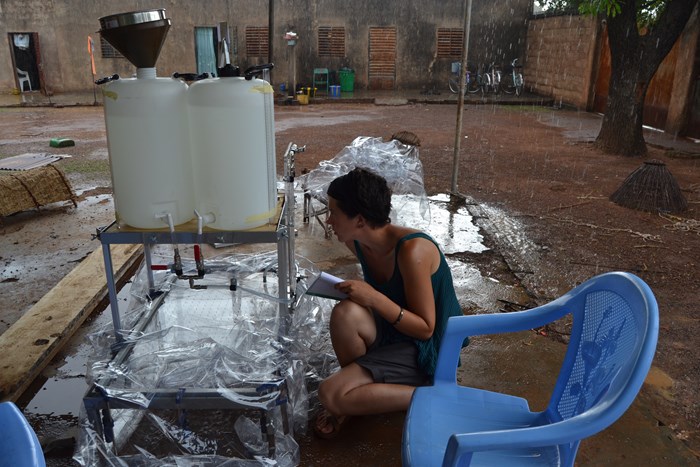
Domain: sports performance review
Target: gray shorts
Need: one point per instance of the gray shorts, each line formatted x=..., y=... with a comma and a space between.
x=394, y=364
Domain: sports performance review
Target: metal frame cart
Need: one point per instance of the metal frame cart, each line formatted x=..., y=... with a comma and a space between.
x=267, y=394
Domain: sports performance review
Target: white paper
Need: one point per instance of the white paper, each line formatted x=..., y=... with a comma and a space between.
x=324, y=286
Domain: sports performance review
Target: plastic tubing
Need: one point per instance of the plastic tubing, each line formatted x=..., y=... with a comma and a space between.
x=176, y=249
x=198, y=257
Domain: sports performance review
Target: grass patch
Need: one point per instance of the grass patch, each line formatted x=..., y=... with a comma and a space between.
x=525, y=107
x=89, y=166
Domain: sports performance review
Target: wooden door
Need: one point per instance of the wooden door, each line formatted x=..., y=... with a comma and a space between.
x=26, y=56
x=382, y=58
x=693, y=127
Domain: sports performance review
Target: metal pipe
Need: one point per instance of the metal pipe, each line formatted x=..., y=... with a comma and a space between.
x=176, y=249
x=149, y=269
x=198, y=257
x=462, y=91
x=290, y=202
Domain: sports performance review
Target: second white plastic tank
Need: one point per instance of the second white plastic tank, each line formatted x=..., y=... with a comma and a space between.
x=233, y=151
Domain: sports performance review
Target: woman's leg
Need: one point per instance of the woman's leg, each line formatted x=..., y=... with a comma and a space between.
x=353, y=330
x=351, y=391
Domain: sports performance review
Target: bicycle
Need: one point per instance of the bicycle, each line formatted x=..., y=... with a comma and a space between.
x=492, y=78
x=473, y=83
x=513, y=81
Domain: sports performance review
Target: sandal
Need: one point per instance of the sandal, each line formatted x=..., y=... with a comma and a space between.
x=325, y=419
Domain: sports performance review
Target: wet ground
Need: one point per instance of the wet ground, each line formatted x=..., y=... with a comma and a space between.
x=536, y=199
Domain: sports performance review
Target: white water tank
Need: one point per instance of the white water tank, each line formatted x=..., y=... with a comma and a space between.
x=233, y=151
x=149, y=150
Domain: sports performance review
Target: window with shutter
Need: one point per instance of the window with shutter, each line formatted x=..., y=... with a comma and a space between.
x=331, y=41
x=256, y=41
x=449, y=42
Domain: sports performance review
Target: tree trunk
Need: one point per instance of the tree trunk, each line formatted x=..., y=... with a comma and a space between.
x=634, y=60
x=621, y=130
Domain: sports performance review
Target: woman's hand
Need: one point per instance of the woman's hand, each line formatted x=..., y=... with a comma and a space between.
x=359, y=292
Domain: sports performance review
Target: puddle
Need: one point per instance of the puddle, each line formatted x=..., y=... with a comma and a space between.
x=98, y=199
x=507, y=233
x=479, y=293
x=580, y=126
x=58, y=397
x=290, y=121
x=454, y=229
x=64, y=385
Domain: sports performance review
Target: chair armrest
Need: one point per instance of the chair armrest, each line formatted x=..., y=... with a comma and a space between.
x=460, y=327
x=461, y=447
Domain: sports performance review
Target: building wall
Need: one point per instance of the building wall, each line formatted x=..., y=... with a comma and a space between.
x=682, y=117
x=561, y=58
x=568, y=58
x=497, y=33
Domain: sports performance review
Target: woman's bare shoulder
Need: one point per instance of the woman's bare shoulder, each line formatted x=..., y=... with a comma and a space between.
x=418, y=247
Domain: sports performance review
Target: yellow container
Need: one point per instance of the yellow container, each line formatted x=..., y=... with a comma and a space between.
x=303, y=99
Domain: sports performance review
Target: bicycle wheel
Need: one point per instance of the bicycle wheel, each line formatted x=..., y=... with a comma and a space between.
x=486, y=82
x=497, y=81
x=474, y=84
x=519, y=82
x=454, y=84
x=507, y=84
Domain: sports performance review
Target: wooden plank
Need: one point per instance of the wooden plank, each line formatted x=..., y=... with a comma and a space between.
x=33, y=340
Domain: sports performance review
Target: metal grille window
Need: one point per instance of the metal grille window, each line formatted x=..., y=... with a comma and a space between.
x=449, y=42
x=107, y=50
x=256, y=41
x=331, y=41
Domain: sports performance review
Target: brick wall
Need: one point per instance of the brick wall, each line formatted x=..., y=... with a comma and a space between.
x=560, y=58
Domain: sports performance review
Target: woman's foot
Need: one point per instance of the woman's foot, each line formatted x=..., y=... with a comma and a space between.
x=328, y=425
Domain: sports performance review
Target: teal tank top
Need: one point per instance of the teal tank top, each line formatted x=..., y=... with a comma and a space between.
x=446, y=304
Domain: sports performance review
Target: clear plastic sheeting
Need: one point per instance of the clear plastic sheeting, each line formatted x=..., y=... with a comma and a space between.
x=212, y=372
x=397, y=162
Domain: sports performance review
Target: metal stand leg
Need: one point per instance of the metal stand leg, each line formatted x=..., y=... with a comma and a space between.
x=149, y=269
x=284, y=291
x=112, y=290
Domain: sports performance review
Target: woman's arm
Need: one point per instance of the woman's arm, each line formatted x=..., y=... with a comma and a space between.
x=418, y=260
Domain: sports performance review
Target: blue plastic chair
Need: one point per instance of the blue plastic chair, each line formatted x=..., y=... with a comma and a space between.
x=613, y=340
x=19, y=446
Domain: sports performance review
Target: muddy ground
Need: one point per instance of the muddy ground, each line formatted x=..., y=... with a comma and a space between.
x=553, y=184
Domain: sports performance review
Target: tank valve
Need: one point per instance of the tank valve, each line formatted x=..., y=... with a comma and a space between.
x=107, y=79
x=254, y=71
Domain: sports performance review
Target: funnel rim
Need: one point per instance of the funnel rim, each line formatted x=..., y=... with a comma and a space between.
x=131, y=18
x=138, y=26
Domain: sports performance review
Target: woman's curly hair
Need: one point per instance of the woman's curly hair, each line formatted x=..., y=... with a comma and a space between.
x=362, y=192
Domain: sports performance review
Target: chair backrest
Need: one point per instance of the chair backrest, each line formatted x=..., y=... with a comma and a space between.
x=19, y=446
x=613, y=340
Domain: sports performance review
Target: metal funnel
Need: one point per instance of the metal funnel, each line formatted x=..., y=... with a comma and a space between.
x=138, y=35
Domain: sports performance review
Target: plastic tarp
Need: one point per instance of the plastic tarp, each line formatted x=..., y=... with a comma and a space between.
x=214, y=371
x=230, y=345
x=397, y=162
